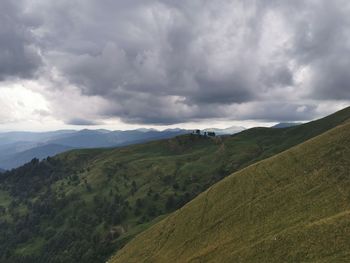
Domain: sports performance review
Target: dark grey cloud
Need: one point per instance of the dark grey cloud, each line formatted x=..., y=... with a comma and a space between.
x=154, y=65
x=164, y=61
x=82, y=122
x=322, y=42
x=277, y=111
x=19, y=56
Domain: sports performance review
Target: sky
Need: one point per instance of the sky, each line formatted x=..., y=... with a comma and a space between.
x=123, y=64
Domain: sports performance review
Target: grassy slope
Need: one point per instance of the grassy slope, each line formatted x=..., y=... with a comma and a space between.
x=180, y=168
x=293, y=207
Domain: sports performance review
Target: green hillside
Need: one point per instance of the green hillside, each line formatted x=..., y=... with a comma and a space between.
x=83, y=205
x=293, y=207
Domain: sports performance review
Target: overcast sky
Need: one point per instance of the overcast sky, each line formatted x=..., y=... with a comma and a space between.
x=121, y=64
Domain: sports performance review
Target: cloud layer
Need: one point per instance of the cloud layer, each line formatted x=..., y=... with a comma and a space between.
x=165, y=62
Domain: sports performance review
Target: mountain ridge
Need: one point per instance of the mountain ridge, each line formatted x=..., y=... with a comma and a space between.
x=286, y=124
x=17, y=148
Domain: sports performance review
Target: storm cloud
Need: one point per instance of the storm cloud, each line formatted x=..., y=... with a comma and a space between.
x=19, y=56
x=165, y=62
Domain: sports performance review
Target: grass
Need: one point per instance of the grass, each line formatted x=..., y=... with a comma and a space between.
x=293, y=207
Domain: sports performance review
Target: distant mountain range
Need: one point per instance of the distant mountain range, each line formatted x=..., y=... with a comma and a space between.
x=286, y=124
x=226, y=131
x=17, y=148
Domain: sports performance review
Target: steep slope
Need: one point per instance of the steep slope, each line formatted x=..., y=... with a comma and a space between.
x=293, y=207
x=82, y=205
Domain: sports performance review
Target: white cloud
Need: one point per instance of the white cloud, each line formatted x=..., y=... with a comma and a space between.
x=19, y=103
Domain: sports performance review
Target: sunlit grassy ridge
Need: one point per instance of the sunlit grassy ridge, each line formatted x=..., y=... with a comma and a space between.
x=82, y=205
x=293, y=207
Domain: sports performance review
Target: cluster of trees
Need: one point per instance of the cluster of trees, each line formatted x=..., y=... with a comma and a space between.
x=205, y=133
x=35, y=216
x=45, y=222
